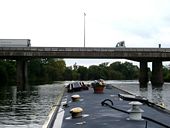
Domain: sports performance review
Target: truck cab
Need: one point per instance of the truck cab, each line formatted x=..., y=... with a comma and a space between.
x=120, y=44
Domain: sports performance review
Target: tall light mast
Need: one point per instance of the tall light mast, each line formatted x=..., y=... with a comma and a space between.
x=84, y=30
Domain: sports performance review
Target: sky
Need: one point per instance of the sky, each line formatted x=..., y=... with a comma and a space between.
x=60, y=23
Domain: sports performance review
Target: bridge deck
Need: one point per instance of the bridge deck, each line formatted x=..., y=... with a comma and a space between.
x=82, y=49
x=138, y=54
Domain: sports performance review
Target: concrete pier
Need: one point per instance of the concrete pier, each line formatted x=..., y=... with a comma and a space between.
x=143, y=76
x=157, y=74
x=22, y=80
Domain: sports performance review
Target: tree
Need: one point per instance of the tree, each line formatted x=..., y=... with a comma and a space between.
x=75, y=75
x=46, y=70
x=55, y=69
x=3, y=75
x=166, y=74
x=83, y=71
x=103, y=69
x=68, y=73
x=124, y=70
x=11, y=71
x=8, y=71
x=115, y=71
x=93, y=72
x=36, y=71
x=129, y=70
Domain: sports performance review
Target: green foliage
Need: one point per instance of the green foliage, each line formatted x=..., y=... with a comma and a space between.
x=68, y=73
x=93, y=72
x=7, y=71
x=55, y=69
x=103, y=70
x=75, y=75
x=46, y=70
x=83, y=73
x=49, y=70
x=3, y=75
x=166, y=74
x=35, y=70
x=125, y=71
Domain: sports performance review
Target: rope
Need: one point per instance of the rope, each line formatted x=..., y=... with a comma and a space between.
x=144, y=117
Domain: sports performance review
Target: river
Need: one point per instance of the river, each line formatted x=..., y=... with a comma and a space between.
x=27, y=109
x=30, y=108
x=158, y=95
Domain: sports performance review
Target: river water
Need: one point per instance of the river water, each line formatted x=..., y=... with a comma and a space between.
x=27, y=109
x=30, y=108
x=158, y=95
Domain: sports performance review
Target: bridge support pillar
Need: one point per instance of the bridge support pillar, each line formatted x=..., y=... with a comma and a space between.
x=157, y=74
x=22, y=80
x=143, y=76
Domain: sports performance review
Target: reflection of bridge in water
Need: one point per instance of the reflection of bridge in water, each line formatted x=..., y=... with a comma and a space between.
x=142, y=55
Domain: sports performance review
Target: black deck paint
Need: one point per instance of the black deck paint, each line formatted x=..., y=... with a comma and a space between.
x=105, y=117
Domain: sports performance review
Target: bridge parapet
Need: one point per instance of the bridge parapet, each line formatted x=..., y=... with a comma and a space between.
x=83, y=49
x=148, y=54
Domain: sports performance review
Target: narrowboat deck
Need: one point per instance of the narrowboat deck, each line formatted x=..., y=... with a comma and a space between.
x=95, y=115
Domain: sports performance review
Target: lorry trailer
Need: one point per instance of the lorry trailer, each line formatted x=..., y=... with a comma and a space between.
x=15, y=43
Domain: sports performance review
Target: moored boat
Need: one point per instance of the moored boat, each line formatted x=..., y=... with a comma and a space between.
x=76, y=86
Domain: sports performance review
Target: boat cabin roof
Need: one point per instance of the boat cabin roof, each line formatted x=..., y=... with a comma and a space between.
x=95, y=115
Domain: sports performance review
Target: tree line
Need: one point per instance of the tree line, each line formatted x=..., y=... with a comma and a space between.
x=48, y=70
x=55, y=70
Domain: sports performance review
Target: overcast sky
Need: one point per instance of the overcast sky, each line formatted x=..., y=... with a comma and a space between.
x=59, y=23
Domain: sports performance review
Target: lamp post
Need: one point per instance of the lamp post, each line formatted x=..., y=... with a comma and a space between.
x=84, y=30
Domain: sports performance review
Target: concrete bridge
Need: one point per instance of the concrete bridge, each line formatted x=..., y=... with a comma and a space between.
x=142, y=55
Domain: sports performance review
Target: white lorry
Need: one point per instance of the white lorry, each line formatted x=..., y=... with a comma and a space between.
x=15, y=43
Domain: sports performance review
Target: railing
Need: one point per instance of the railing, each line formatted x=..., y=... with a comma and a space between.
x=83, y=49
x=137, y=54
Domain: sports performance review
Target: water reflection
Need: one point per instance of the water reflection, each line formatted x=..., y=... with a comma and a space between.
x=157, y=94
x=14, y=94
x=153, y=93
x=27, y=108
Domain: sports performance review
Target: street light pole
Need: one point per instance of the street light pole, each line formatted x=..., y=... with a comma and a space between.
x=84, y=30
